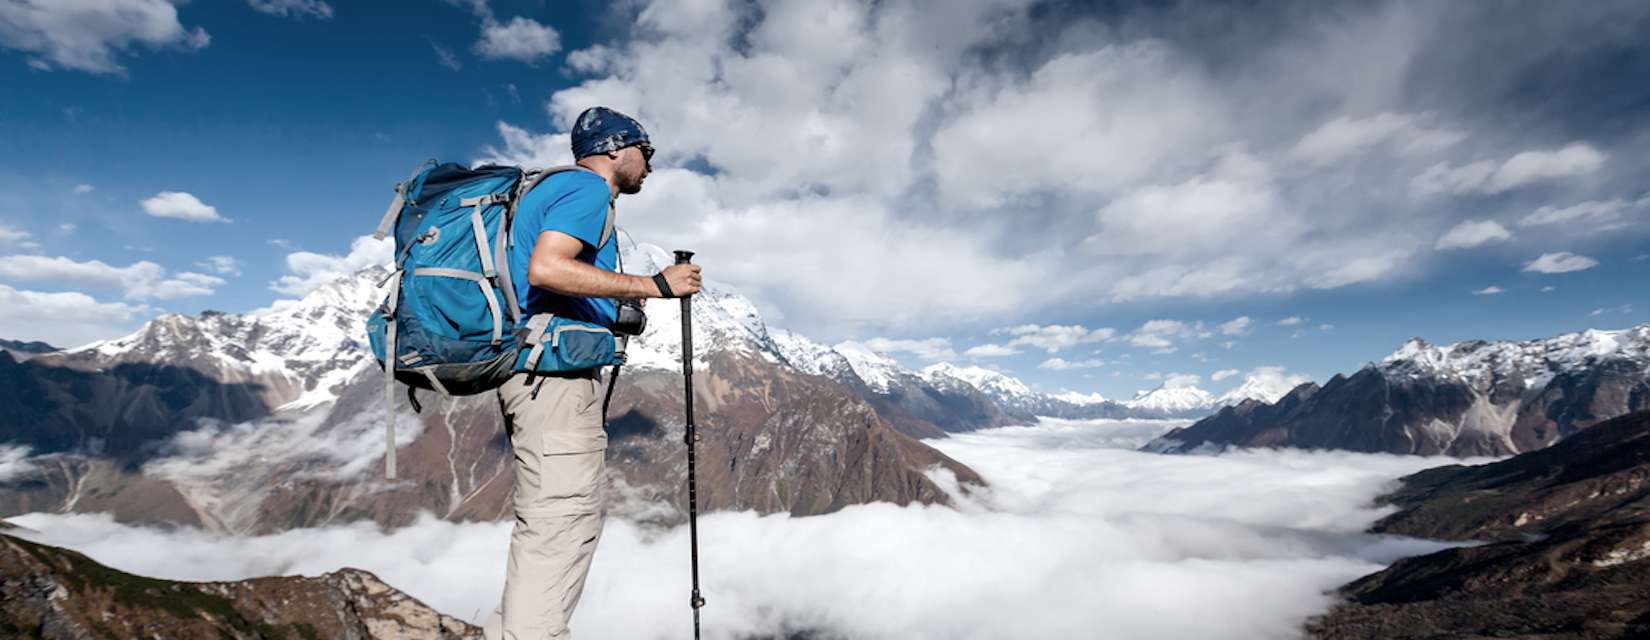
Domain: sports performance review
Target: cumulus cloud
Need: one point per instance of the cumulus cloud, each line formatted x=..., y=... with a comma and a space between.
x=524, y=148
x=1524, y=168
x=1257, y=538
x=295, y=9
x=932, y=349
x=1236, y=326
x=1061, y=364
x=1472, y=233
x=1592, y=215
x=225, y=265
x=1560, y=262
x=182, y=206
x=1489, y=291
x=1163, y=334
x=138, y=281
x=1223, y=374
x=66, y=318
x=520, y=39
x=1290, y=321
x=89, y=35
x=82, y=189
x=990, y=351
x=1348, y=136
x=9, y=235
x=1053, y=338
x=308, y=270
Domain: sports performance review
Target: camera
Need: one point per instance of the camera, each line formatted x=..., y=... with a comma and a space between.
x=631, y=320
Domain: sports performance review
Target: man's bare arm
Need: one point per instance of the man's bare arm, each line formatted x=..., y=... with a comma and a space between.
x=555, y=266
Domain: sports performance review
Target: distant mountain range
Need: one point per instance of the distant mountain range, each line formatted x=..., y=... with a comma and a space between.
x=1568, y=554
x=48, y=592
x=1463, y=399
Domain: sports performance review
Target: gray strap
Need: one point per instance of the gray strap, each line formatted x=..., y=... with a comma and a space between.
x=607, y=227
x=502, y=259
x=486, y=292
x=536, y=326
x=390, y=214
x=479, y=227
x=435, y=383
x=389, y=381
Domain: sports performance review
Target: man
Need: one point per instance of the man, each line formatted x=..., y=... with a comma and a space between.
x=560, y=265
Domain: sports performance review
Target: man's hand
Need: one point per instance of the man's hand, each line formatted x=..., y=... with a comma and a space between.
x=683, y=280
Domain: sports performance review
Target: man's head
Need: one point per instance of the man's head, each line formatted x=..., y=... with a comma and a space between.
x=606, y=139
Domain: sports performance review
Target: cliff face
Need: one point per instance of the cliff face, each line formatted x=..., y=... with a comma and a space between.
x=1569, y=555
x=1472, y=398
x=53, y=593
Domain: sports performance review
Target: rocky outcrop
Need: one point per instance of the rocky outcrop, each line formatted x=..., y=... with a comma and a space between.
x=53, y=593
x=1568, y=557
x=1464, y=399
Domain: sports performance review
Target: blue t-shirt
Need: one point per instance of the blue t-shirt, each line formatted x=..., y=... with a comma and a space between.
x=575, y=203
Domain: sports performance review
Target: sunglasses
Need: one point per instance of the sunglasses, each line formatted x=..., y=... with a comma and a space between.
x=647, y=152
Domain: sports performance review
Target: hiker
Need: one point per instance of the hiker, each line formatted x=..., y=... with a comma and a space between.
x=561, y=265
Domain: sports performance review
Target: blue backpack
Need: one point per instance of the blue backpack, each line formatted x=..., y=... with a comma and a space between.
x=452, y=323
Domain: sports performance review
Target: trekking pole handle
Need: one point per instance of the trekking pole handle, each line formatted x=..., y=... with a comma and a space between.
x=683, y=256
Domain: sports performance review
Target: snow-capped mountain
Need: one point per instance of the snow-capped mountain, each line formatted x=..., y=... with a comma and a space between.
x=1266, y=384
x=267, y=421
x=1467, y=398
x=1173, y=399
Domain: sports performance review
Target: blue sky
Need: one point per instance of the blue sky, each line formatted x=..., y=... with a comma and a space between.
x=925, y=182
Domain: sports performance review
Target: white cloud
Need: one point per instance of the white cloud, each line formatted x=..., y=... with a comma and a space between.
x=182, y=206
x=88, y=35
x=1522, y=169
x=14, y=462
x=83, y=188
x=1290, y=321
x=520, y=39
x=1489, y=291
x=1053, y=338
x=1472, y=233
x=523, y=148
x=63, y=319
x=1346, y=136
x=446, y=57
x=1549, y=289
x=1560, y=262
x=1259, y=538
x=1161, y=335
x=1236, y=326
x=1181, y=380
x=139, y=281
x=309, y=270
x=1621, y=309
x=1597, y=215
x=295, y=9
x=932, y=349
x=990, y=351
x=226, y=265
x=9, y=235
x=68, y=227
x=1223, y=374
x=1061, y=364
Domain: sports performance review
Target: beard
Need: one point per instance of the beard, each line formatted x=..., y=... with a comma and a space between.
x=631, y=184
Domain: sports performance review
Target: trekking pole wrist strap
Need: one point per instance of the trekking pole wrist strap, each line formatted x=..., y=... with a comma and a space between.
x=664, y=287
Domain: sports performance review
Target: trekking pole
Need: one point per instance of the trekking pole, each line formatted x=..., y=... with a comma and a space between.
x=684, y=257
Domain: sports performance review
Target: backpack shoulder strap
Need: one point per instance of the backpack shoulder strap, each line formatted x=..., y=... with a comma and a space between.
x=534, y=177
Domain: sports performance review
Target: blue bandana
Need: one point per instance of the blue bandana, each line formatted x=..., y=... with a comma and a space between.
x=600, y=130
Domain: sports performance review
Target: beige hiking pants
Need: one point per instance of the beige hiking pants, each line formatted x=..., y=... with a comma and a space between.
x=559, y=447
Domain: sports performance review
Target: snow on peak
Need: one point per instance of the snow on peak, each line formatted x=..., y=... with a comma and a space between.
x=1266, y=384
x=723, y=319
x=878, y=371
x=808, y=356
x=1079, y=398
x=993, y=383
x=1533, y=361
x=1174, y=396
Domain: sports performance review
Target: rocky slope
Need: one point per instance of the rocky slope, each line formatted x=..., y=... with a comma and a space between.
x=259, y=423
x=1463, y=399
x=1569, y=555
x=53, y=593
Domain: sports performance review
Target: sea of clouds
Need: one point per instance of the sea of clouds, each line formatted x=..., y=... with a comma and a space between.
x=1079, y=536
